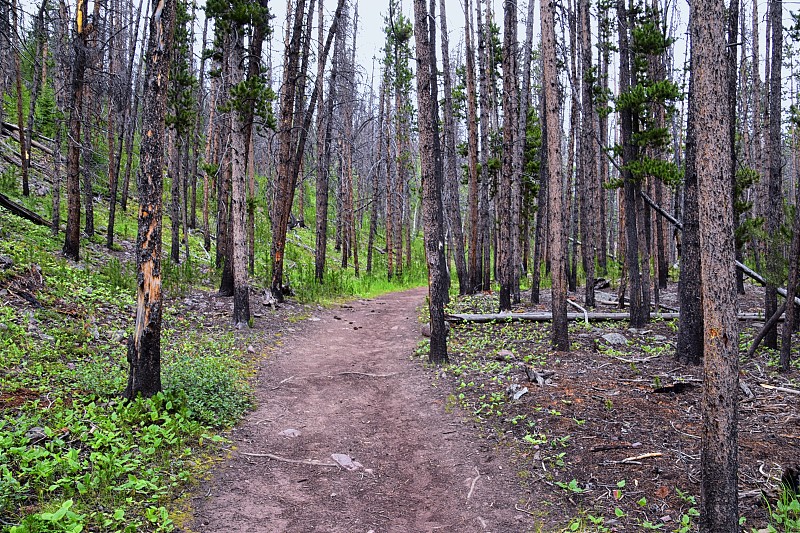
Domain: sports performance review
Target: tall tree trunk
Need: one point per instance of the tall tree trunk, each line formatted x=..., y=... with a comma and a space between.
x=591, y=187
x=574, y=172
x=207, y=178
x=472, y=148
x=505, y=197
x=484, y=228
x=542, y=215
x=774, y=200
x=131, y=127
x=556, y=240
x=431, y=180
x=525, y=196
x=719, y=495
x=60, y=76
x=689, y=346
x=324, y=140
x=376, y=195
x=291, y=153
x=794, y=277
x=639, y=309
x=144, y=348
x=113, y=108
x=174, y=173
x=239, y=142
x=451, y=179
x=23, y=152
x=732, y=52
x=73, y=232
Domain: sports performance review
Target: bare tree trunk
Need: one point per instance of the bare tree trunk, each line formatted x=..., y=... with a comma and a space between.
x=591, y=186
x=574, y=171
x=484, y=227
x=15, y=45
x=291, y=153
x=39, y=79
x=791, y=285
x=72, y=234
x=239, y=143
x=131, y=127
x=144, y=348
x=174, y=173
x=113, y=107
x=505, y=196
x=556, y=241
x=732, y=52
x=376, y=196
x=542, y=215
x=774, y=200
x=525, y=195
x=432, y=180
x=324, y=155
x=639, y=308
x=451, y=177
x=472, y=147
x=60, y=76
x=719, y=495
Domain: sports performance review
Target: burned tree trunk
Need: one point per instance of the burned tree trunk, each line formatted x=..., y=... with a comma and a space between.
x=144, y=348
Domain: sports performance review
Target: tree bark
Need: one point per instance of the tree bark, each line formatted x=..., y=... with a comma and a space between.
x=505, y=197
x=23, y=152
x=144, y=347
x=239, y=141
x=324, y=153
x=639, y=308
x=433, y=226
x=719, y=495
x=73, y=231
x=791, y=284
x=556, y=241
x=541, y=211
x=290, y=155
x=591, y=187
x=774, y=201
x=472, y=148
x=451, y=178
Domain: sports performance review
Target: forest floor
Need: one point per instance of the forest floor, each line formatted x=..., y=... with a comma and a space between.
x=343, y=383
x=608, y=442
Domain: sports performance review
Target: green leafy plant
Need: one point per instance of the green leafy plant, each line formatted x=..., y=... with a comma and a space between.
x=571, y=486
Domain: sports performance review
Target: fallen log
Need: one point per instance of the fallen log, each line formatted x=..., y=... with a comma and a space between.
x=22, y=211
x=34, y=144
x=768, y=325
x=547, y=316
x=752, y=274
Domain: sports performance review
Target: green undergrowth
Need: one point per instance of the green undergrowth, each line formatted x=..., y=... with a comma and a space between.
x=73, y=455
x=76, y=457
x=342, y=283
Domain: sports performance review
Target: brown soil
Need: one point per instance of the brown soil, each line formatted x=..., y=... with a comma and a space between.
x=615, y=432
x=609, y=443
x=345, y=380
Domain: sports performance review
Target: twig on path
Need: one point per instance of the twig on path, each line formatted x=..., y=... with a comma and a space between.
x=780, y=389
x=640, y=457
x=634, y=361
x=683, y=432
x=472, y=486
x=521, y=510
x=310, y=462
x=367, y=375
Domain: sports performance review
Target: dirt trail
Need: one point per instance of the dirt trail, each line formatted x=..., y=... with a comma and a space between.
x=344, y=380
